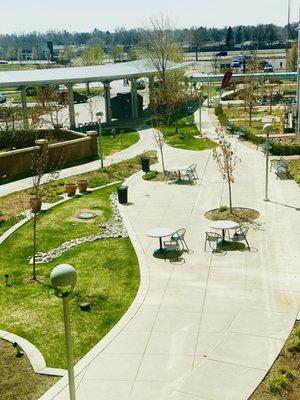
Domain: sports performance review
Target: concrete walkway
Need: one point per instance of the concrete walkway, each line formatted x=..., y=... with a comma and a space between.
x=145, y=143
x=208, y=329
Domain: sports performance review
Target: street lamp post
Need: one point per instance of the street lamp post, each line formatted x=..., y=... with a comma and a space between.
x=63, y=278
x=99, y=116
x=267, y=128
x=200, y=111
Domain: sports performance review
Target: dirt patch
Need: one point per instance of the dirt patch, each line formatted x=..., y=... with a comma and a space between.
x=17, y=378
x=239, y=214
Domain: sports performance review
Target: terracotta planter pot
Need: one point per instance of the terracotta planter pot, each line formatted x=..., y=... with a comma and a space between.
x=82, y=185
x=35, y=204
x=71, y=189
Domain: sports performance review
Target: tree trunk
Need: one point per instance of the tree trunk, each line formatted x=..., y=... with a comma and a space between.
x=197, y=50
x=230, y=196
x=250, y=114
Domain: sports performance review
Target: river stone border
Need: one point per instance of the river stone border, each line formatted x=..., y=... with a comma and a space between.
x=114, y=229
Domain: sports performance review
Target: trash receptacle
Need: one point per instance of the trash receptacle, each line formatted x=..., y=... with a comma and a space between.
x=145, y=164
x=123, y=194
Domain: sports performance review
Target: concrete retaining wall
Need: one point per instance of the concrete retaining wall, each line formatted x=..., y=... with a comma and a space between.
x=76, y=147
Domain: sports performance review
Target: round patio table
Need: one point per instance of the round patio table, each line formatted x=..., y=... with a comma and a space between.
x=224, y=225
x=179, y=169
x=160, y=233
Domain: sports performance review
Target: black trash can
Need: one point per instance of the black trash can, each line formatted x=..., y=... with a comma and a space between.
x=123, y=194
x=145, y=164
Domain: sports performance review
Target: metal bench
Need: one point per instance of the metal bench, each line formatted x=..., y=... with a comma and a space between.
x=280, y=166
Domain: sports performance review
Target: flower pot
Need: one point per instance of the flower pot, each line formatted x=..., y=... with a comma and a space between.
x=82, y=185
x=71, y=189
x=35, y=203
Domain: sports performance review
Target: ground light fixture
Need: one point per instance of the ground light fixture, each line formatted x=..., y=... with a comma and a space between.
x=267, y=128
x=63, y=278
x=99, y=116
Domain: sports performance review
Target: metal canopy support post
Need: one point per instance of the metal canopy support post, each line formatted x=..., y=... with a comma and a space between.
x=134, y=99
x=24, y=106
x=107, y=102
x=71, y=106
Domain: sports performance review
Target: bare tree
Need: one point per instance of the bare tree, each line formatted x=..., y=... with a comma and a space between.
x=40, y=185
x=159, y=140
x=48, y=108
x=157, y=44
x=198, y=36
x=226, y=160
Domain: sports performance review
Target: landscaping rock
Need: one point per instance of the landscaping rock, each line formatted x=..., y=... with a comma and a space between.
x=114, y=229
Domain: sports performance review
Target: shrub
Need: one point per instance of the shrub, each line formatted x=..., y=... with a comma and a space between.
x=150, y=175
x=285, y=149
x=278, y=383
x=294, y=345
x=223, y=208
x=218, y=110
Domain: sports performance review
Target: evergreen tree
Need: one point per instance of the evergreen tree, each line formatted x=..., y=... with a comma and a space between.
x=229, y=38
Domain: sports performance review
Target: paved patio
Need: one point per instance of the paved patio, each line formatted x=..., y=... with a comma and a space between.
x=208, y=329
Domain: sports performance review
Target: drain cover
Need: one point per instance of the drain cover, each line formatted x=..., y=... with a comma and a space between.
x=86, y=215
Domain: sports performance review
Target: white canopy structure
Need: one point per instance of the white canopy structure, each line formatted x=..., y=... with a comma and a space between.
x=69, y=76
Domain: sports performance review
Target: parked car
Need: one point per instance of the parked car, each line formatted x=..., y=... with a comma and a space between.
x=222, y=54
x=235, y=63
x=268, y=68
x=78, y=98
x=2, y=98
x=140, y=84
x=263, y=63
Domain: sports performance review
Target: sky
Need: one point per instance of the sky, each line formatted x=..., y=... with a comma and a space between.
x=85, y=15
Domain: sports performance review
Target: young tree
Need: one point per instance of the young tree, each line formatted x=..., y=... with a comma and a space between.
x=117, y=52
x=226, y=160
x=159, y=140
x=92, y=55
x=20, y=55
x=40, y=185
x=133, y=53
x=250, y=86
x=66, y=55
x=11, y=54
x=292, y=58
x=34, y=53
x=48, y=55
x=48, y=109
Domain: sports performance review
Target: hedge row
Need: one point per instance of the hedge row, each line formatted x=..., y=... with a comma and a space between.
x=223, y=119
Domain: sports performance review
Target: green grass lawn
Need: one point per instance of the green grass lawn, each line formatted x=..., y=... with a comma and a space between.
x=108, y=277
x=185, y=139
x=111, y=145
x=13, y=204
x=294, y=170
x=94, y=91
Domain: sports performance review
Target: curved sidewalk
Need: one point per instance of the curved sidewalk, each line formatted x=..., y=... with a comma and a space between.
x=208, y=329
x=145, y=143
